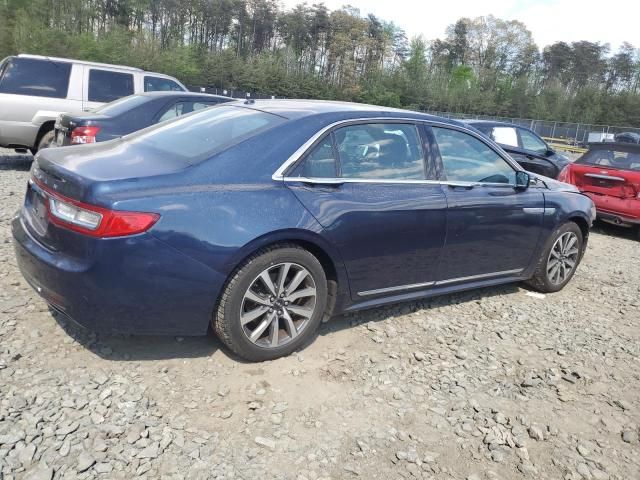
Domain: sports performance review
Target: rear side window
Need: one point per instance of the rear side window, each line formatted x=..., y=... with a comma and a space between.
x=612, y=158
x=505, y=136
x=159, y=84
x=40, y=78
x=196, y=137
x=106, y=86
x=181, y=108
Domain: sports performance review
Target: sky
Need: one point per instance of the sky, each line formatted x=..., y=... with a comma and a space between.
x=610, y=21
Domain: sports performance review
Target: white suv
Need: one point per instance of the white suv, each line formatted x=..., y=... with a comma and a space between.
x=34, y=90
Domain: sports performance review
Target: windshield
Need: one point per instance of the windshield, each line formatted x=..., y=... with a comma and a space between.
x=121, y=105
x=200, y=135
x=620, y=158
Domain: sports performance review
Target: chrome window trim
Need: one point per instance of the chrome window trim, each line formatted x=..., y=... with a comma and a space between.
x=413, y=286
x=278, y=175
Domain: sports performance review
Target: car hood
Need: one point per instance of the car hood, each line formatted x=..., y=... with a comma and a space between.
x=554, y=185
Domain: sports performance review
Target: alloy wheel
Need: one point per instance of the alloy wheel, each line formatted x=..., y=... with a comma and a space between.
x=563, y=258
x=278, y=305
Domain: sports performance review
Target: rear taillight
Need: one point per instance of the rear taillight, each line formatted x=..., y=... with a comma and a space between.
x=80, y=135
x=565, y=175
x=95, y=221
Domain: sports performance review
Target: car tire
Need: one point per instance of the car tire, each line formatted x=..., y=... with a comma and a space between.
x=46, y=140
x=559, y=260
x=258, y=321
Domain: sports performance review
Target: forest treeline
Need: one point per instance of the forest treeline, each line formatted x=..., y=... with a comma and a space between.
x=482, y=65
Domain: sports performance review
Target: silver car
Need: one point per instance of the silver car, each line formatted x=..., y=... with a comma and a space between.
x=34, y=90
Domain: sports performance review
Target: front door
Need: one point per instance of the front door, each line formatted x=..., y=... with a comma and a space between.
x=493, y=228
x=367, y=185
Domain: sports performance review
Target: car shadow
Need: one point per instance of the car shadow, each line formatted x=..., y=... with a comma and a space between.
x=140, y=347
x=380, y=314
x=153, y=347
x=15, y=161
x=611, y=230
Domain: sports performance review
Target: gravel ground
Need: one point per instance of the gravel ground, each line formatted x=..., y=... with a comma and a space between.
x=492, y=384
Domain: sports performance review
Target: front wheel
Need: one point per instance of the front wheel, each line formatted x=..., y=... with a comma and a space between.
x=559, y=260
x=273, y=303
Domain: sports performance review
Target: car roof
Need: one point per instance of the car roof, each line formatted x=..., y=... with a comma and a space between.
x=184, y=94
x=83, y=62
x=297, y=109
x=492, y=123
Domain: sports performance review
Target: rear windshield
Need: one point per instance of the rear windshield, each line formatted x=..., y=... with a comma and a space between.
x=39, y=78
x=198, y=136
x=121, y=106
x=622, y=159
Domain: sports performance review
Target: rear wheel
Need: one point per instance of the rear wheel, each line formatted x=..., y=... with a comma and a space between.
x=559, y=260
x=273, y=304
x=46, y=140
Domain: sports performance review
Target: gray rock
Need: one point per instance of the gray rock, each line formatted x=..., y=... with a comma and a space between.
x=583, y=471
x=630, y=436
x=461, y=354
x=536, y=433
x=151, y=451
x=39, y=472
x=85, y=462
x=265, y=442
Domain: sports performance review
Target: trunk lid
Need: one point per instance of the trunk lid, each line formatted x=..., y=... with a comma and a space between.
x=606, y=181
x=82, y=173
x=66, y=123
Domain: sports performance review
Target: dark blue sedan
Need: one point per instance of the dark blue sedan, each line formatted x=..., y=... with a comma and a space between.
x=128, y=115
x=262, y=219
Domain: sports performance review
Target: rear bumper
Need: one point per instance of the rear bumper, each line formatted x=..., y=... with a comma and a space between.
x=622, y=211
x=137, y=285
x=616, y=218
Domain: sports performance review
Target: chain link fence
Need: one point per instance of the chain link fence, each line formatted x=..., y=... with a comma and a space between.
x=577, y=134
x=228, y=92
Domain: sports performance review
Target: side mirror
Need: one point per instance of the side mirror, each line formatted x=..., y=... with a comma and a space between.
x=522, y=180
x=550, y=151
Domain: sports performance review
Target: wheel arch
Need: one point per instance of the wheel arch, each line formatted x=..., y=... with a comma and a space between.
x=44, y=128
x=327, y=255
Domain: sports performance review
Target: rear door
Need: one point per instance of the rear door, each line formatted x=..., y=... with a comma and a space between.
x=493, y=228
x=370, y=185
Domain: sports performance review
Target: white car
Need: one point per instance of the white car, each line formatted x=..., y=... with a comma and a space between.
x=34, y=90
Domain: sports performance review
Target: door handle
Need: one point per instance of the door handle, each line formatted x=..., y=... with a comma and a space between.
x=323, y=182
x=461, y=185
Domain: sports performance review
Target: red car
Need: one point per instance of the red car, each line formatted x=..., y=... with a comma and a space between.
x=609, y=173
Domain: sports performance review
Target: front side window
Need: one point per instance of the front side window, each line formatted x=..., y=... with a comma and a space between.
x=505, y=136
x=532, y=142
x=159, y=84
x=107, y=86
x=34, y=77
x=467, y=159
